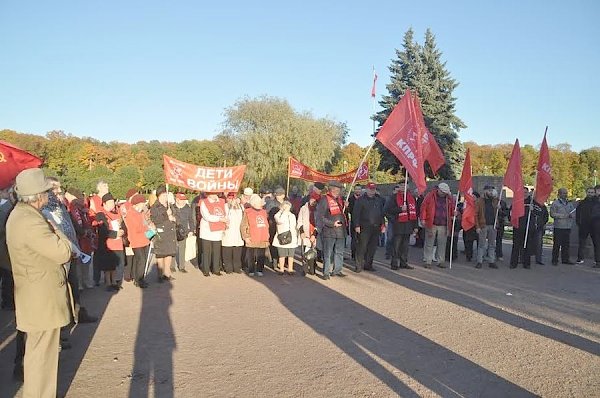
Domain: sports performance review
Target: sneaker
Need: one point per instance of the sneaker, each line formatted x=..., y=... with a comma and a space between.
x=478, y=265
x=259, y=273
x=579, y=262
x=426, y=265
x=442, y=265
x=500, y=258
x=183, y=270
x=250, y=273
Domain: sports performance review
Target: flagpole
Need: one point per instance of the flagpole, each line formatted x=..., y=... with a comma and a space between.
x=358, y=170
x=531, y=200
x=405, y=184
x=287, y=190
x=453, y=225
x=373, y=134
x=498, y=207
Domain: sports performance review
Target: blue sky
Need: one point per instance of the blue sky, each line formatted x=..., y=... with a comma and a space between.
x=142, y=70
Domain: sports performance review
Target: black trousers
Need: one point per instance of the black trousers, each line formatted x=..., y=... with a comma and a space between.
x=584, y=232
x=20, y=349
x=596, y=240
x=367, y=245
x=198, y=251
x=353, y=241
x=256, y=259
x=469, y=239
x=499, y=237
x=8, y=288
x=560, y=243
x=454, y=247
x=519, y=252
x=211, y=256
x=138, y=265
x=232, y=258
x=400, y=251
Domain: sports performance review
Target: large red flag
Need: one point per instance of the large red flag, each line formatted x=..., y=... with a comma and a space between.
x=465, y=187
x=513, y=179
x=402, y=136
x=543, y=182
x=431, y=150
x=13, y=160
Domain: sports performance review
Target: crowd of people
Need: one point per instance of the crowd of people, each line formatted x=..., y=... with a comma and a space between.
x=55, y=243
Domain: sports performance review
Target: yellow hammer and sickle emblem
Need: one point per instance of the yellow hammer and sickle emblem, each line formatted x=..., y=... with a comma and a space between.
x=2, y=158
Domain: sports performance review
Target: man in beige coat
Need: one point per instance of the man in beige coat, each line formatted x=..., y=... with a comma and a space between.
x=37, y=251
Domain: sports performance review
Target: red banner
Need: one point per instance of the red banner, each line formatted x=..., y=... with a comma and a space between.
x=465, y=187
x=200, y=178
x=297, y=169
x=543, y=183
x=13, y=160
x=513, y=179
x=431, y=150
x=402, y=135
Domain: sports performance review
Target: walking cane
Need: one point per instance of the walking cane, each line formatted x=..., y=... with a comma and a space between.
x=148, y=260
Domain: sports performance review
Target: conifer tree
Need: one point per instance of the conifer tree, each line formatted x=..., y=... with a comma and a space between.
x=421, y=69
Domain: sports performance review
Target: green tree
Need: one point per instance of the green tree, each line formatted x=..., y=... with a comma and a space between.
x=266, y=131
x=421, y=69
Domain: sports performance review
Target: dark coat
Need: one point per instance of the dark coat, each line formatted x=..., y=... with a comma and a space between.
x=325, y=221
x=5, y=210
x=165, y=242
x=368, y=212
x=185, y=218
x=392, y=210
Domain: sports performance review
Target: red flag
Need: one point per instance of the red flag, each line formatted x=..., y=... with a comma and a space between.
x=13, y=160
x=402, y=136
x=465, y=187
x=431, y=150
x=374, y=83
x=543, y=182
x=513, y=179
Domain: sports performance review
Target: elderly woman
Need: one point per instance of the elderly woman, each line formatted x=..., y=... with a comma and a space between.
x=110, y=253
x=255, y=232
x=307, y=227
x=212, y=226
x=286, y=225
x=233, y=243
x=137, y=231
x=165, y=243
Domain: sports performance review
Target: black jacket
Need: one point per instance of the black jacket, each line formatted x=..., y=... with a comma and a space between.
x=325, y=221
x=392, y=211
x=368, y=211
x=583, y=214
x=185, y=218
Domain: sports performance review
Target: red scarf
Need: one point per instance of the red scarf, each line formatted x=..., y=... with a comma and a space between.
x=259, y=224
x=216, y=209
x=411, y=212
x=335, y=205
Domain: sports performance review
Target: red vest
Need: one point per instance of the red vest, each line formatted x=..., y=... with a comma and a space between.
x=117, y=243
x=259, y=225
x=411, y=212
x=216, y=209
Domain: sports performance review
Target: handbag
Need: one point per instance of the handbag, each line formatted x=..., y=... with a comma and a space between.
x=180, y=232
x=285, y=238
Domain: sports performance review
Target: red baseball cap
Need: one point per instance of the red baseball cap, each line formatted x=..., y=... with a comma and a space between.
x=180, y=196
x=371, y=185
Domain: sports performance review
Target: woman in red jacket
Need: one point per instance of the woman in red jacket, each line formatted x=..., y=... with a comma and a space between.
x=137, y=227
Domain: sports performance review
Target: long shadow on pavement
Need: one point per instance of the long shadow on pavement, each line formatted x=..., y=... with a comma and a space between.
x=364, y=334
x=481, y=307
x=154, y=346
x=96, y=302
